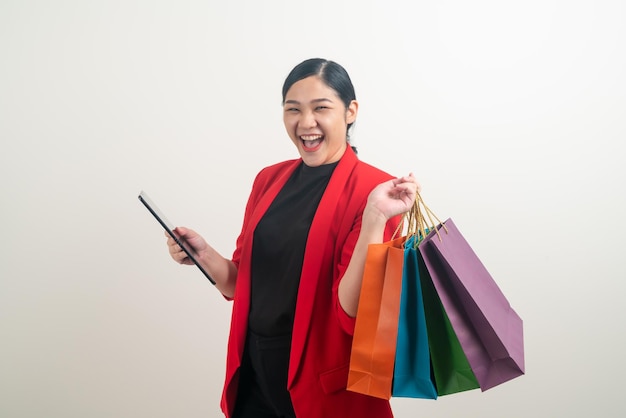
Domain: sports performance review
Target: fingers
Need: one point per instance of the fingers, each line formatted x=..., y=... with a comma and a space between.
x=394, y=197
x=408, y=184
x=176, y=252
x=412, y=178
x=404, y=193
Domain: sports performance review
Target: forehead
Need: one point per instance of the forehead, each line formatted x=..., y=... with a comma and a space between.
x=310, y=88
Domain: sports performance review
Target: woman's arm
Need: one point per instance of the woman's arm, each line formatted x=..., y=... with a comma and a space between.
x=387, y=200
x=221, y=269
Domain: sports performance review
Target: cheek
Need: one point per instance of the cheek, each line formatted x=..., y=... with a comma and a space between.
x=290, y=119
x=338, y=125
x=291, y=127
x=288, y=122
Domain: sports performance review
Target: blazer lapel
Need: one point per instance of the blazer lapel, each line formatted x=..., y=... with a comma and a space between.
x=242, y=290
x=312, y=265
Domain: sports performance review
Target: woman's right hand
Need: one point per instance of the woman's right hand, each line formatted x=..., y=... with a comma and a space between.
x=195, y=241
x=222, y=270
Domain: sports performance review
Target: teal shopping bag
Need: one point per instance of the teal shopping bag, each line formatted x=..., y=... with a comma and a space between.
x=412, y=370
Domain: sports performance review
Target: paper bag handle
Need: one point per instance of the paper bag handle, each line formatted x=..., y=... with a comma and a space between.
x=420, y=220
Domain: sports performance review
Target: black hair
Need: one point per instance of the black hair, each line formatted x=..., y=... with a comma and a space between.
x=331, y=73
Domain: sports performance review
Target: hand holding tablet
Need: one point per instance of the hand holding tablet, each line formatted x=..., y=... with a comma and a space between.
x=169, y=228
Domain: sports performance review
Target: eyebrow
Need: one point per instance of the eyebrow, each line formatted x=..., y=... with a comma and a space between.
x=323, y=99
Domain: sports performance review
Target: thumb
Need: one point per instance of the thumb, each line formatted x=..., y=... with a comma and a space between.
x=181, y=231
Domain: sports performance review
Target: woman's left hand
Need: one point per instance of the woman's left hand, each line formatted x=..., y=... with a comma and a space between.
x=394, y=197
x=385, y=201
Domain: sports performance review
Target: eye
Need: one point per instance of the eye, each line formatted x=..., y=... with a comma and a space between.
x=292, y=109
x=321, y=107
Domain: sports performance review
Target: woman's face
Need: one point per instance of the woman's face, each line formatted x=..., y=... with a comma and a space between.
x=317, y=120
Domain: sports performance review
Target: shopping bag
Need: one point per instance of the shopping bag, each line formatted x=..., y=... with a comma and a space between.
x=376, y=328
x=429, y=358
x=412, y=376
x=450, y=367
x=489, y=330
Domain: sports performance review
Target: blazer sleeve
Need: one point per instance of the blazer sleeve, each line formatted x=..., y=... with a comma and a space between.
x=346, y=321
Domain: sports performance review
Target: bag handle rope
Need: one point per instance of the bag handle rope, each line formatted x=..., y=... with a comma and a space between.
x=420, y=220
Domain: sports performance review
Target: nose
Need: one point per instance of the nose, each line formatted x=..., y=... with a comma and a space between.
x=308, y=120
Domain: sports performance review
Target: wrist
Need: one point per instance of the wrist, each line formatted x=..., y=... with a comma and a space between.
x=373, y=217
x=373, y=224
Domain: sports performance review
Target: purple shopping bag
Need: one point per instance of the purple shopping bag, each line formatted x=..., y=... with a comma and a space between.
x=489, y=330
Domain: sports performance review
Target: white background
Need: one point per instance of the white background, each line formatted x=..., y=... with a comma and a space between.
x=510, y=113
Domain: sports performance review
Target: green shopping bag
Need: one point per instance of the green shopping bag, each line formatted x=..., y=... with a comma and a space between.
x=451, y=370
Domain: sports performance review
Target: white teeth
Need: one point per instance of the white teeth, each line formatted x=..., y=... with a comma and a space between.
x=310, y=137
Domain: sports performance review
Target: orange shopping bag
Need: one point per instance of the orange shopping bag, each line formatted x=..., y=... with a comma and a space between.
x=376, y=328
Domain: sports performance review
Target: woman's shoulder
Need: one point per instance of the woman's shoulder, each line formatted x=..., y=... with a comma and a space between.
x=353, y=167
x=370, y=171
x=357, y=179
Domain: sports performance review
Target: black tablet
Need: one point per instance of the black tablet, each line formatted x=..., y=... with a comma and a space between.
x=154, y=210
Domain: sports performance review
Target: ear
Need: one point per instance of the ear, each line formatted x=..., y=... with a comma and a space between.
x=352, y=111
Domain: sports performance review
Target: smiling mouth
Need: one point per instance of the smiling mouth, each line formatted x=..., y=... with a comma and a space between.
x=311, y=142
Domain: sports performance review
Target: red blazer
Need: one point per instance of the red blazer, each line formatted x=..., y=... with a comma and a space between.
x=322, y=331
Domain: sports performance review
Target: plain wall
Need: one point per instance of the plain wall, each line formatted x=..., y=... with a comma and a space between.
x=511, y=115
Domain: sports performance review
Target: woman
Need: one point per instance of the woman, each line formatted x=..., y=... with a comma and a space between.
x=295, y=275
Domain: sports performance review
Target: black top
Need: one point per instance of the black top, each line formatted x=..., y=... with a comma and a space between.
x=278, y=250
